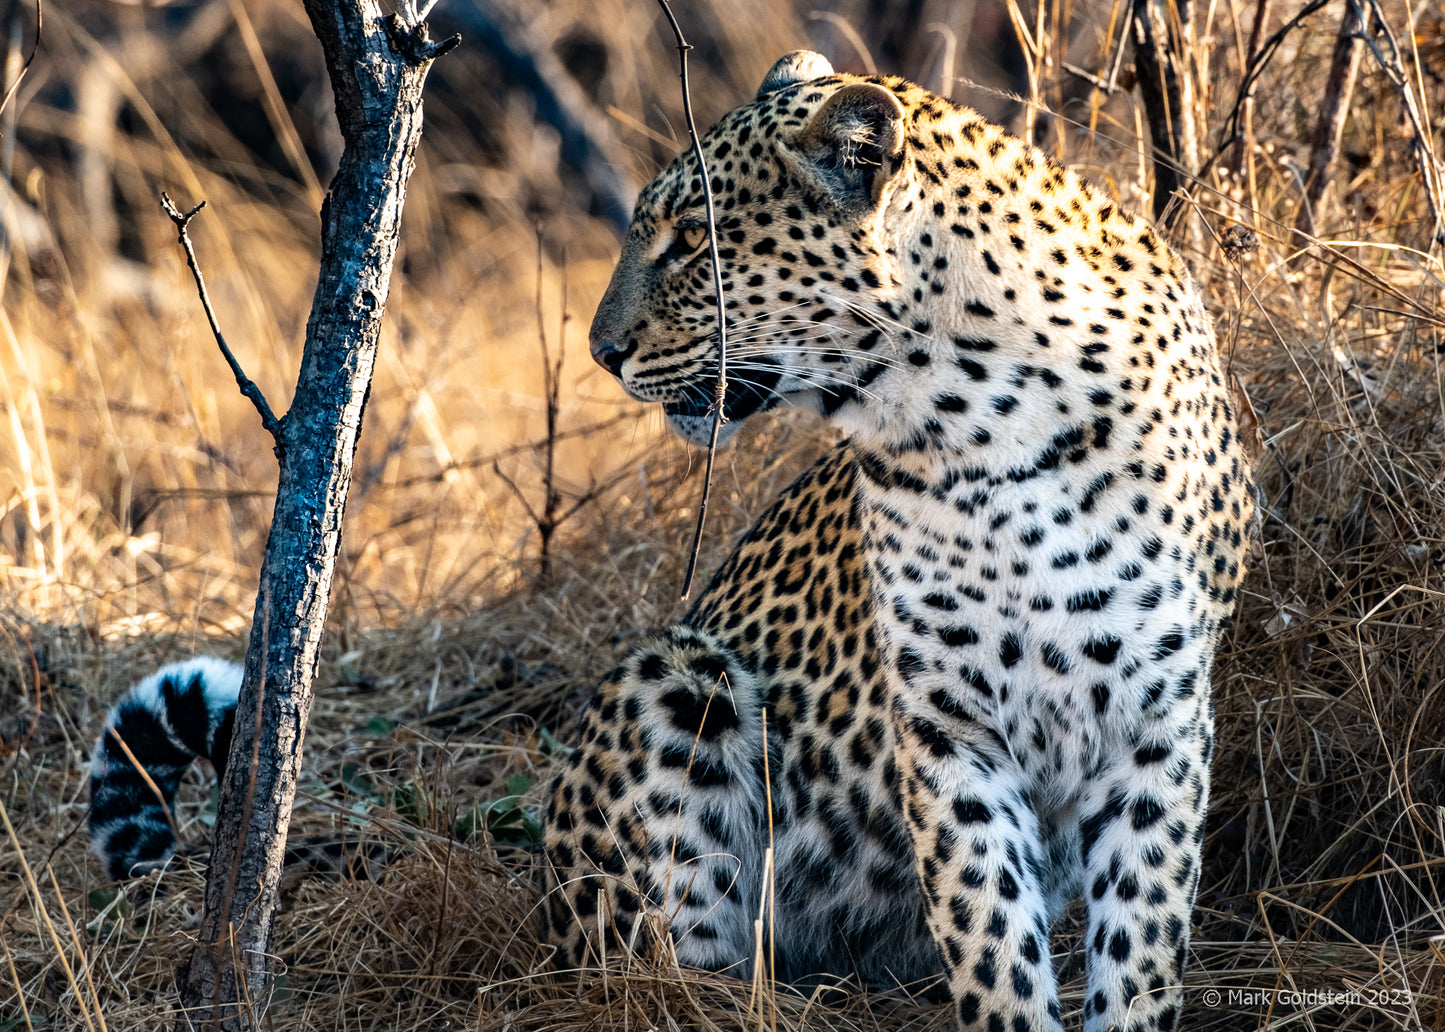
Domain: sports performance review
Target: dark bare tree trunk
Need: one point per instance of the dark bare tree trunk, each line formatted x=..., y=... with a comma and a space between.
x=1162, y=46
x=377, y=68
x=1334, y=106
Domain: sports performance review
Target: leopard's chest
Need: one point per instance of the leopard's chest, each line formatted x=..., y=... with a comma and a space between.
x=1035, y=607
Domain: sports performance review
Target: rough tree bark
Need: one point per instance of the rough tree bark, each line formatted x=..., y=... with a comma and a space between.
x=1162, y=46
x=1334, y=106
x=377, y=66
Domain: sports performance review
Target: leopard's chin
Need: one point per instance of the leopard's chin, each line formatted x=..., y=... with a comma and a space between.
x=692, y=418
x=695, y=427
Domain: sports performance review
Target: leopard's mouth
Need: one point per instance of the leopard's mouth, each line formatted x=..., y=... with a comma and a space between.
x=747, y=394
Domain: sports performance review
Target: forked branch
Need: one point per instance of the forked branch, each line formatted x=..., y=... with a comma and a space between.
x=248, y=386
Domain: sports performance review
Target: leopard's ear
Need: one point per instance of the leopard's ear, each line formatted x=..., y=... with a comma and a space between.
x=852, y=147
x=791, y=69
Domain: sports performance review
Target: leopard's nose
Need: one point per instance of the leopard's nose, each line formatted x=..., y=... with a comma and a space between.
x=609, y=356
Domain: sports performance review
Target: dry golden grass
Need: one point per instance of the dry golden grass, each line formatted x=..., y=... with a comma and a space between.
x=137, y=489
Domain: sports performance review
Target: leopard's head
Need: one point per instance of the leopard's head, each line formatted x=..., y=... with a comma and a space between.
x=800, y=178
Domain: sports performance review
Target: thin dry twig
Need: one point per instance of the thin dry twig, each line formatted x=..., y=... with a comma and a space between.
x=1229, y=134
x=1102, y=85
x=247, y=385
x=551, y=515
x=14, y=87
x=435, y=476
x=1391, y=65
x=720, y=392
x=551, y=390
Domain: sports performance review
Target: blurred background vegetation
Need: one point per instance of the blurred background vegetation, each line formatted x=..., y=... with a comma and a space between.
x=136, y=482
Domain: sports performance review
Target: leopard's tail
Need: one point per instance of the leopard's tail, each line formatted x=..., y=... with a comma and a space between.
x=180, y=712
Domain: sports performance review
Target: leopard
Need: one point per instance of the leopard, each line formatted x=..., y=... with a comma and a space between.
x=959, y=675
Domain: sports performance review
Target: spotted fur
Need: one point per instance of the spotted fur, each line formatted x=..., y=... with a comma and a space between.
x=958, y=674
x=151, y=736
x=980, y=634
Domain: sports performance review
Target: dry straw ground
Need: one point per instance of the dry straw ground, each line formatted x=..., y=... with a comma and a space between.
x=136, y=484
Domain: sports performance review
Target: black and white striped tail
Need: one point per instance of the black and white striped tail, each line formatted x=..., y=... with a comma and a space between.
x=180, y=712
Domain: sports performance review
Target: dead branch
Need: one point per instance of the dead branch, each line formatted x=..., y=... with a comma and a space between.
x=1230, y=133
x=586, y=430
x=720, y=390
x=245, y=383
x=551, y=389
x=1246, y=133
x=1161, y=57
x=1431, y=173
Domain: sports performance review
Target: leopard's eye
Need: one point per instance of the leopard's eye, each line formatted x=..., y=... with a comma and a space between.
x=692, y=236
x=689, y=237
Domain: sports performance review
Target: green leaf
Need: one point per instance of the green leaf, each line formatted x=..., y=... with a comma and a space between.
x=506, y=819
x=551, y=745
x=11, y=1024
x=414, y=805
x=357, y=781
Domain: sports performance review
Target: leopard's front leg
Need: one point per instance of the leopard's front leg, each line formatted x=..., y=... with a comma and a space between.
x=981, y=864
x=1141, y=831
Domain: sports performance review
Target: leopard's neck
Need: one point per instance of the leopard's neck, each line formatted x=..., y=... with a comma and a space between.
x=1023, y=319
